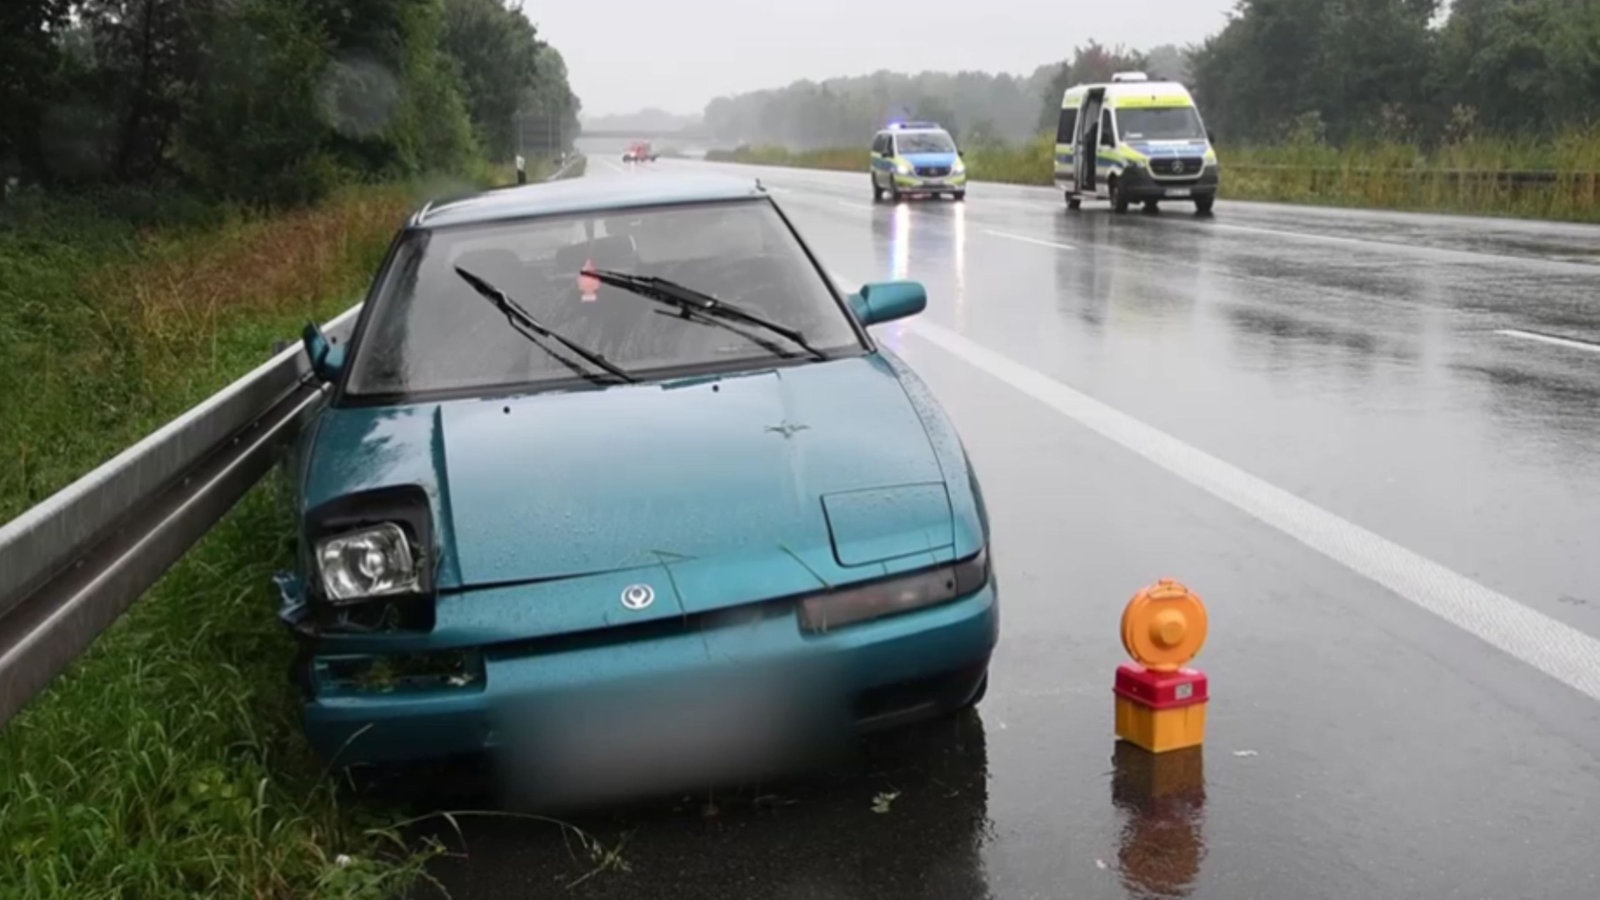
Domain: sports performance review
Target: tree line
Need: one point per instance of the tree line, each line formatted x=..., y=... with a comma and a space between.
x=1333, y=70
x=268, y=101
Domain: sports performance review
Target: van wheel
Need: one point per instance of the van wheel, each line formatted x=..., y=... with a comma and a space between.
x=1118, y=202
x=1202, y=205
x=877, y=192
x=959, y=196
x=1151, y=206
x=1074, y=201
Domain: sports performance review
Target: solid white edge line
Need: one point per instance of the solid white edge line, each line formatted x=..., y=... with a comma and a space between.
x=1028, y=240
x=1549, y=339
x=1564, y=653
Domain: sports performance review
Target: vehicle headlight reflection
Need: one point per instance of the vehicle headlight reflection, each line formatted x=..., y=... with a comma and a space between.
x=900, y=242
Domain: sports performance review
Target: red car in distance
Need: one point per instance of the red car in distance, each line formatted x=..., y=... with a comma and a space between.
x=639, y=151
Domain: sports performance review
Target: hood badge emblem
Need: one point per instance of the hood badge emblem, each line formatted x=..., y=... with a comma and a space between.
x=638, y=596
x=786, y=429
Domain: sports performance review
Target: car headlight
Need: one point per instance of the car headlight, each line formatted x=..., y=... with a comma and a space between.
x=904, y=168
x=960, y=168
x=369, y=562
x=920, y=590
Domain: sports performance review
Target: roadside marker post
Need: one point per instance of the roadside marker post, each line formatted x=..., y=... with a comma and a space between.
x=1160, y=703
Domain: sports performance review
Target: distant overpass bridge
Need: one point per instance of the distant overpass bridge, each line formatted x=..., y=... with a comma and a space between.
x=691, y=134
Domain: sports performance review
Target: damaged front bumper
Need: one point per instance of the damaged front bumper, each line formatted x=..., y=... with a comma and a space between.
x=593, y=694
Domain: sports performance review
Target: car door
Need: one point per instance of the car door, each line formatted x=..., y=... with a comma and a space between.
x=1066, y=136
x=1087, y=141
x=1108, y=144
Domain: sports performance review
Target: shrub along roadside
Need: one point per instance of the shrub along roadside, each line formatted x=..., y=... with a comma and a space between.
x=1465, y=177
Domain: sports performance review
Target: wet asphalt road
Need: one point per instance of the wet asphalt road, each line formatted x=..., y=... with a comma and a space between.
x=1377, y=367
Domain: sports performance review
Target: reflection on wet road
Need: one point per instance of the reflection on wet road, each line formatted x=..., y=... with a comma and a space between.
x=1374, y=369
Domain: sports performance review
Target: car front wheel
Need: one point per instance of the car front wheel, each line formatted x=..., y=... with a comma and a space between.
x=1202, y=205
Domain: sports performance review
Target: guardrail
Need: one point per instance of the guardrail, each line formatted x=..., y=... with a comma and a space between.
x=71, y=565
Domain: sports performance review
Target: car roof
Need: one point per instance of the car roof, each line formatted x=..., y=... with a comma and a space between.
x=586, y=194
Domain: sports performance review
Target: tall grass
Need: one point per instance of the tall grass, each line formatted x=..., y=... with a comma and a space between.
x=108, y=329
x=1463, y=176
x=167, y=762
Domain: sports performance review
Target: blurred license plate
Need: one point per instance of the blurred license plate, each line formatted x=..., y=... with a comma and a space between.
x=1177, y=192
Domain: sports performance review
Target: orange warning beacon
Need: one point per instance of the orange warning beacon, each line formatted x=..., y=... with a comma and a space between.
x=1161, y=705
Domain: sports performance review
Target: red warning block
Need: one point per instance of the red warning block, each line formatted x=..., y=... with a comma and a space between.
x=1161, y=711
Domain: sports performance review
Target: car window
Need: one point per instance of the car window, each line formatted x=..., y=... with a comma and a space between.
x=925, y=142
x=1160, y=123
x=1108, y=134
x=431, y=332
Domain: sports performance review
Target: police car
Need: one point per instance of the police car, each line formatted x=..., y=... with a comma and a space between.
x=916, y=159
x=1134, y=141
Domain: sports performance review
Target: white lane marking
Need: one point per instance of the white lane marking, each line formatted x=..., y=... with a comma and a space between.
x=1554, y=648
x=1029, y=240
x=1550, y=339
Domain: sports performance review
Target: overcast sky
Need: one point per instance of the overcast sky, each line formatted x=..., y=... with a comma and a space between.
x=624, y=55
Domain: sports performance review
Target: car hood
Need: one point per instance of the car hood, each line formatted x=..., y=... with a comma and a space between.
x=930, y=159
x=813, y=469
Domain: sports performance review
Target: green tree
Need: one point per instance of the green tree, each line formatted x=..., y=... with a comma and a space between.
x=30, y=68
x=1090, y=64
x=496, y=54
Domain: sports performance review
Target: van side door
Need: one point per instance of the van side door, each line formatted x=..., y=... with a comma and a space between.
x=1066, y=138
x=1087, y=141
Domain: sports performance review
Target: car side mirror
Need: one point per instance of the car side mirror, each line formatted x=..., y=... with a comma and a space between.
x=327, y=359
x=885, y=301
x=1211, y=136
x=961, y=153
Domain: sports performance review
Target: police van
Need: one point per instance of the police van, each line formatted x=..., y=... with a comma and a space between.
x=916, y=159
x=1134, y=141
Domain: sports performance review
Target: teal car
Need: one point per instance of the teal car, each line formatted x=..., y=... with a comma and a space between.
x=603, y=459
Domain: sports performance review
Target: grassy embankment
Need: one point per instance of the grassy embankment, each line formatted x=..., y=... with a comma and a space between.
x=1457, y=178
x=168, y=761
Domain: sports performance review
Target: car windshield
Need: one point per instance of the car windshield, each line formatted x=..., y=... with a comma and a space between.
x=432, y=332
x=925, y=142
x=1160, y=123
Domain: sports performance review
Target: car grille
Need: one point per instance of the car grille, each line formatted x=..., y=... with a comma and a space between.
x=933, y=171
x=1189, y=165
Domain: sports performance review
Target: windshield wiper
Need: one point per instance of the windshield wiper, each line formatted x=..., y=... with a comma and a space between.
x=690, y=301
x=526, y=325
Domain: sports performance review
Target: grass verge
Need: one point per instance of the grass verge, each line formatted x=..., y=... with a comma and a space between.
x=1557, y=179
x=167, y=762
